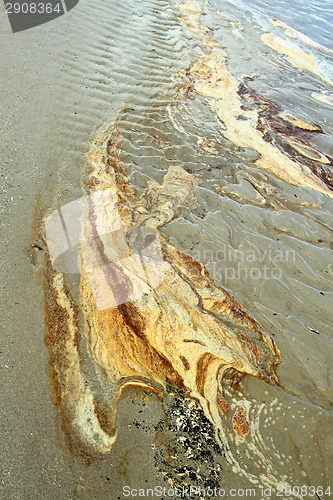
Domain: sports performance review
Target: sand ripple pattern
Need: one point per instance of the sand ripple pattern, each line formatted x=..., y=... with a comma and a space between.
x=133, y=57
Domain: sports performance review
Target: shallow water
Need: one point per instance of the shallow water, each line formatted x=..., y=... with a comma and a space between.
x=266, y=241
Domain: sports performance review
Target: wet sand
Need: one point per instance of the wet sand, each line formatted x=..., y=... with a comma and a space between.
x=62, y=82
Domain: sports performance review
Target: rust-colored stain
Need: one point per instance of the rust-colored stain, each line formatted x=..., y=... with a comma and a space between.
x=249, y=119
x=185, y=362
x=289, y=133
x=186, y=332
x=240, y=424
x=222, y=404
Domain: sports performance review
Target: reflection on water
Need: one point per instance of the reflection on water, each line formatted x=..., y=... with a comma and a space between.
x=313, y=19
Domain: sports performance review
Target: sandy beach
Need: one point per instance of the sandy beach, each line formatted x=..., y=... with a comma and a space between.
x=210, y=89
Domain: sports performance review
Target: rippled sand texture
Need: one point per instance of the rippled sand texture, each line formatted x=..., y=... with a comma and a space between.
x=186, y=331
x=211, y=165
x=244, y=125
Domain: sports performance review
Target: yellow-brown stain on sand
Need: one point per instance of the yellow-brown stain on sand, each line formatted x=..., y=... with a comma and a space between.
x=240, y=424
